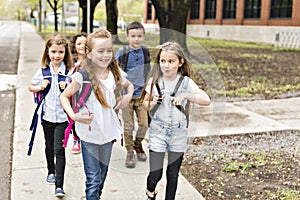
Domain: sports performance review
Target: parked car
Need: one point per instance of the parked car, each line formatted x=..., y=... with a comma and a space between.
x=122, y=24
x=50, y=18
x=73, y=21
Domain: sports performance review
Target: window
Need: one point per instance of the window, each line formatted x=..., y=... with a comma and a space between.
x=252, y=9
x=229, y=9
x=210, y=9
x=281, y=8
x=195, y=9
x=149, y=10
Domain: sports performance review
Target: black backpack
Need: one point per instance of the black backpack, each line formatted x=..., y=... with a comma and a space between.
x=124, y=60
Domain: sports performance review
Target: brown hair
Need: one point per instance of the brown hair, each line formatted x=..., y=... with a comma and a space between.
x=57, y=39
x=134, y=25
x=113, y=67
x=156, y=73
x=73, y=44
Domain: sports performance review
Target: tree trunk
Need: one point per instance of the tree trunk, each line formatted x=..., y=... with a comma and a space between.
x=55, y=16
x=112, y=14
x=83, y=6
x=172, y=16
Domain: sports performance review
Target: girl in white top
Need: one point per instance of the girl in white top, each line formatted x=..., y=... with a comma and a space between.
x=97, y=124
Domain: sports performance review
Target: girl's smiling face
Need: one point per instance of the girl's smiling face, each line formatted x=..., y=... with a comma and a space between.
x=80, y=45
x=56, y=54
x=102, y=52
x=169, y=64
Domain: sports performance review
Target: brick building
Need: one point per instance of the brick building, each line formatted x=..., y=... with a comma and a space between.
x=242, y=20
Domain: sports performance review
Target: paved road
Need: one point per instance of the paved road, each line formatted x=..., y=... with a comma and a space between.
x=9, y=51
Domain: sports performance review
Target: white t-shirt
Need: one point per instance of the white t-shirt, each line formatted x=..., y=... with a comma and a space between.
x=167, y=111
x=105, y=126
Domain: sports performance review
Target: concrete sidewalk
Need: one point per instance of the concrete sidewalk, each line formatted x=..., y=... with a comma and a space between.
x=29, y=172
x=221, y=118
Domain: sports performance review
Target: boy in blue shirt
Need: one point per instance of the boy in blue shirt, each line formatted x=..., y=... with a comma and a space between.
x=134, y=59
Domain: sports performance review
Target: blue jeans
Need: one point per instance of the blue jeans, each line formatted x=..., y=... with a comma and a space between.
x=95, y=160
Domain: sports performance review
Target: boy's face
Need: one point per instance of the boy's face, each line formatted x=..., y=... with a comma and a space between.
x=135, y=38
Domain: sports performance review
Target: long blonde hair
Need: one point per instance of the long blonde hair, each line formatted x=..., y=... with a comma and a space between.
x=57, y=39
x=113, y=67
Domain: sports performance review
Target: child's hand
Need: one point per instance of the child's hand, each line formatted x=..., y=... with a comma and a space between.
x=178, y=100
x=83, y=117
x=44, y=84
x=62, y=85
x=158, y=99
x=123, y=102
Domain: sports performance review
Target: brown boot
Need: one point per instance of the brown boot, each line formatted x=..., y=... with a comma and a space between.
x=130, y=160
x=140, y=151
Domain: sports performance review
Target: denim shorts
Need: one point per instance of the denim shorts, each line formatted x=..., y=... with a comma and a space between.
x=165, y=136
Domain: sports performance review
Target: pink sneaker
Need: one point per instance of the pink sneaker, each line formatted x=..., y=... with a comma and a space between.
x=76, y=147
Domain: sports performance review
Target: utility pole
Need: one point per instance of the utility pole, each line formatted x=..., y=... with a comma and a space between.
x=88, y=16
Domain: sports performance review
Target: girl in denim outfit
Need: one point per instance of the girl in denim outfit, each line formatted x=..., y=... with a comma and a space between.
x=97, y=123
x=168, y=127
x=57, y=57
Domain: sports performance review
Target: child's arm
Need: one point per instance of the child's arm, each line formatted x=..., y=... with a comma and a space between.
x=153, y=101
x=85, y=118
x=37, y=88
x=199, y=97
x=127, y=97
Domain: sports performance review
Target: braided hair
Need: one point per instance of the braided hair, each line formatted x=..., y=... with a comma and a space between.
x=113, y=67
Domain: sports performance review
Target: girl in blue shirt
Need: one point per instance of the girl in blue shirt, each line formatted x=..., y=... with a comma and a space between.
x=57, y=57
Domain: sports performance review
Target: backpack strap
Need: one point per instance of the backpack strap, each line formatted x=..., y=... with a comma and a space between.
x=154, y=109
x=62, y=77
x=180, y=107
x=82, y=97
x=146, y=62
x=124, y=59
x=39, y=99
x=79, y=100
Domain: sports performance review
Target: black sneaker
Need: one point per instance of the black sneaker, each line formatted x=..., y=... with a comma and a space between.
x=130, y=160
x=59, y=192
x=151, y=197
x=50, y=179
x=140, y=152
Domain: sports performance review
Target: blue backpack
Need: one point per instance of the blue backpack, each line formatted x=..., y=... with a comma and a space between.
x=39, y=98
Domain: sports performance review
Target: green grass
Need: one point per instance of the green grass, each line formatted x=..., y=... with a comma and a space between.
x=226, y=43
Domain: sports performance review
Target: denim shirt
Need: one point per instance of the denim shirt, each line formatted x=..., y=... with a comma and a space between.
x=134, y=68
x=52, y=109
